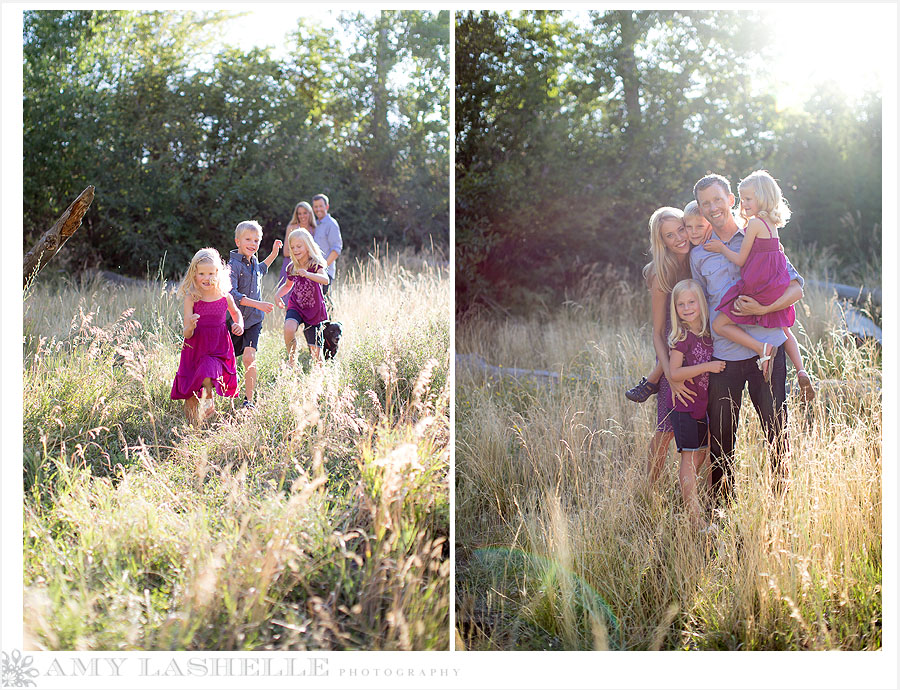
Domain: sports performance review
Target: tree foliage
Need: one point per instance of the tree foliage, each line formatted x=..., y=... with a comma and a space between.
x=182, y=141
x=572, y=128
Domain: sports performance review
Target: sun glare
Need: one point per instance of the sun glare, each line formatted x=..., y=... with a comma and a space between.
x=846, y=44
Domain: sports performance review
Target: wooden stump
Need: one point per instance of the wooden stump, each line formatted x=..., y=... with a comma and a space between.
x=53, y=240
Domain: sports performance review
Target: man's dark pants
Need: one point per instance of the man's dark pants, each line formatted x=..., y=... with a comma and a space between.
x=726, y=390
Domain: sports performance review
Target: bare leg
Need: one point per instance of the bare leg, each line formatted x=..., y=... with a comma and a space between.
x=659, y=451
x=691, y=460
x=190, y=410
x=655, y=375
x=249, y=358
x=315, y=354
x=290, y=341
x=725, y=327
x=792, y=350
x=207, y=397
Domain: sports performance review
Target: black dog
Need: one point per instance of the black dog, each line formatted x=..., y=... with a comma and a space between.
x=332, y=332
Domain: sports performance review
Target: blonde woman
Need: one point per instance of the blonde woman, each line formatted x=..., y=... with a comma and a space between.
x=670, y=250
x=303, y=217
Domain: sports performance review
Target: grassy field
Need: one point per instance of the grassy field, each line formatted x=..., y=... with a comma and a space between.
x=563, y=545
x=319, y=520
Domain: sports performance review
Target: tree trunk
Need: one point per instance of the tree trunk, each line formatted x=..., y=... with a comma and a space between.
x=52, y=240
x=628, y=72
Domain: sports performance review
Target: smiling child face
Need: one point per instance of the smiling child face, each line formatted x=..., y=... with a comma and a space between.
x=248, y=242
x=207, y=276
x=698, y=229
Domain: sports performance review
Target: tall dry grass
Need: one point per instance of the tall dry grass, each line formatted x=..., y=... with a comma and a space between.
x=563, y=544
x=319, y=520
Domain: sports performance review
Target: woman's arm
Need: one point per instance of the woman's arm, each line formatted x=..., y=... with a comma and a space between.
x=658, y=300
x=190, y=318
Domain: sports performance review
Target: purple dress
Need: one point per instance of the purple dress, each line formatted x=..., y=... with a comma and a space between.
x=208, y=353
x=306, y=298
x=696, y=350
x=664, y=405
x=764, y=277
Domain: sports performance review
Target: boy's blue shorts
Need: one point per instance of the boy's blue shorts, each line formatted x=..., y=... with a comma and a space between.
x=249, y=338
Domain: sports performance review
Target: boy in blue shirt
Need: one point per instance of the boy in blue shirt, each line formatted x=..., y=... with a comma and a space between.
x=246, y=273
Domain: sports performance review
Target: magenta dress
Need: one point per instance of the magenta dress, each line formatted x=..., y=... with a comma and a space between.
x=764, y=277
x=208, y=353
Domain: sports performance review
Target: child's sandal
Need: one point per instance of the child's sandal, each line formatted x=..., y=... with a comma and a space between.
x=767, y=357
x=807, y=392
x=642, y=391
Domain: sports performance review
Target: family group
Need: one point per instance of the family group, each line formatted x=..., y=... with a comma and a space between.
x=722, y=297
x=224, y=309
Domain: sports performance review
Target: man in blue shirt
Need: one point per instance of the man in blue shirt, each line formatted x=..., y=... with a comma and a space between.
x=716, y=274
x=327, y=235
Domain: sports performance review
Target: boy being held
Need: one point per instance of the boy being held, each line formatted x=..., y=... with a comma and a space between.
x=246, y=273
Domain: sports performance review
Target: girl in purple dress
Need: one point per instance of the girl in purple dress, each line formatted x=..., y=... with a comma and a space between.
x=305, y=277
x=303, y=217
x=764, y=274
x=690, y=356
x=207, y=356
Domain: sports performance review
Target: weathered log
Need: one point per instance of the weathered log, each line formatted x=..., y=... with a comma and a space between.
x=53, y=240
x=856, y=294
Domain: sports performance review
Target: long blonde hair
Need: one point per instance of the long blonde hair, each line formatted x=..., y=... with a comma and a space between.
x=678, y=328
x=314, y=254
x=664, y=265
x=205, y=255
x=294, y=223
x=772, y=204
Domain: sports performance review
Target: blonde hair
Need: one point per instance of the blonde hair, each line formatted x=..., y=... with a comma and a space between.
x=664, y=265
x=678, y=330
x=295, y=218
x=205, y=255
x=692, y=209
x=246, y=225
x=772, y=204
x=314, y=254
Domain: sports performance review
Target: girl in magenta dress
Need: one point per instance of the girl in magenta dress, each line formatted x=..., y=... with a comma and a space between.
x=305, y=277
x=207, y=356
x=764, y=274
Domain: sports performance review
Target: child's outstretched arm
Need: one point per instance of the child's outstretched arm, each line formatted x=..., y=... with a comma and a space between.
x=238, y=326
x=276, y=247
x=190, y=318
x=740, y=258
x=282, y=291
x=680, y=373
x=317, y=276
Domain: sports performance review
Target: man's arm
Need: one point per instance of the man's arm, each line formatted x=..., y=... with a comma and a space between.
x=749, y=306
x=335, y=242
